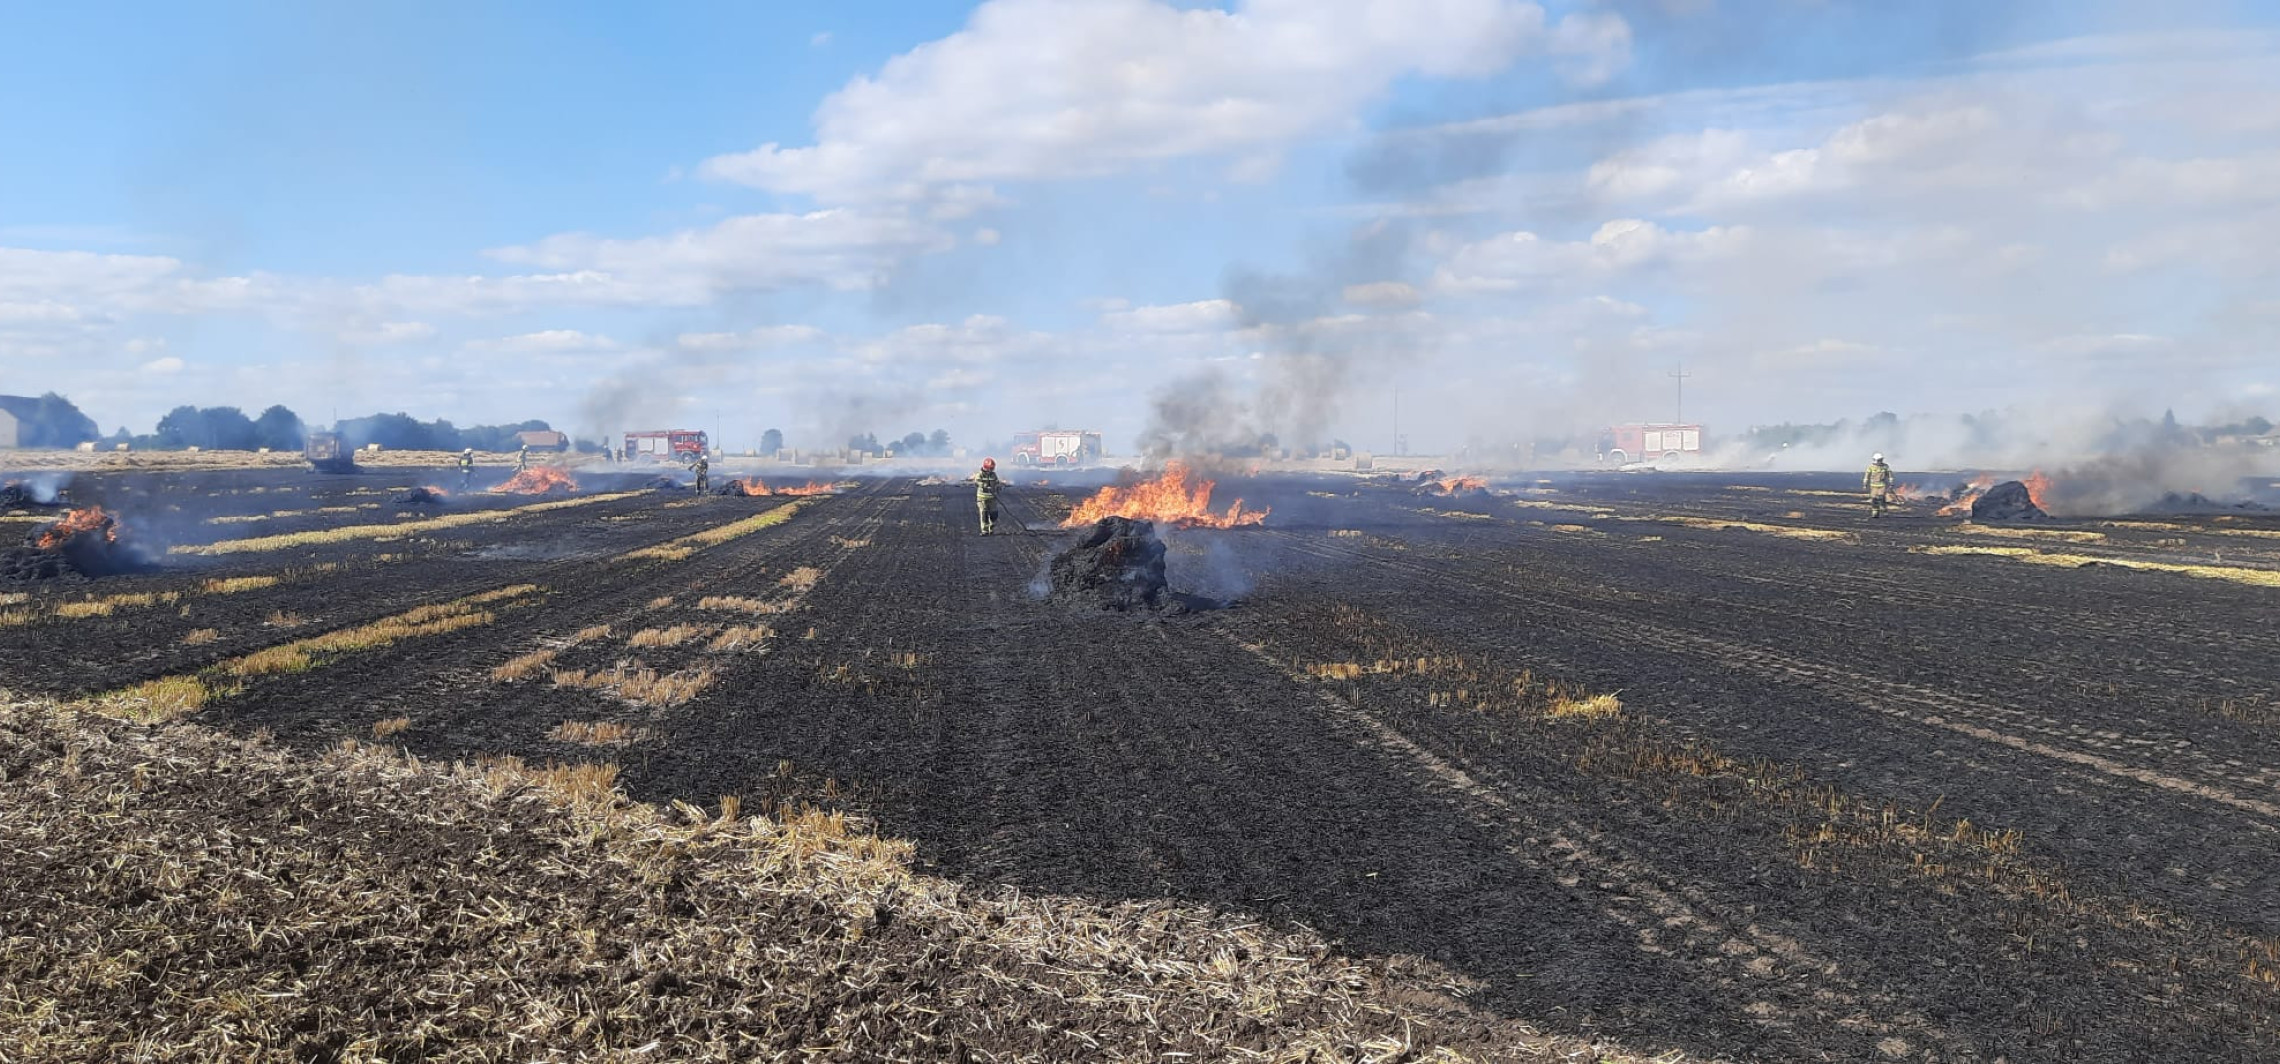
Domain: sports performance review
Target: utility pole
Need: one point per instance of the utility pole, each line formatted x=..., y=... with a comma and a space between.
x=1679, y=375
x=1399, y=445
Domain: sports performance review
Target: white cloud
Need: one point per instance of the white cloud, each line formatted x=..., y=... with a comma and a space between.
x=1511, y=261
x=42, y=312
x=169, y=364
x=986, y=237
x=387, y=333
x=760, y=338
x=1036, y=89
x=1207, y=315
x=820, y=39
x=843, y=249
x=544, y=342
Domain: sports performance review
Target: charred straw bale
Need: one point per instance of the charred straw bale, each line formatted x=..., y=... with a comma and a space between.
x=1117, y=564
x=2008, y=501
x=17, y=496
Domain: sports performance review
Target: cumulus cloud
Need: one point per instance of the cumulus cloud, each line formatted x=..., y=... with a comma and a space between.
x=1205, y=315
x=754, y=339
x=844, y=249
x=543, y=342
x=1038, y=89
x=387, y=333
x=1512, y=261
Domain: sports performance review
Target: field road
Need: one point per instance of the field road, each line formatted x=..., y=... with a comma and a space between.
x=1700, y=765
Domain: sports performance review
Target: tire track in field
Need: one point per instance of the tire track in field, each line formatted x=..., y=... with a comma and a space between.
x=1628, y=889
x=2099, y=739
x=1931, y=708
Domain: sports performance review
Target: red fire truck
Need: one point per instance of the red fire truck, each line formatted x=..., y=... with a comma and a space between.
x=1056, y=447
x=1650, y=441
x=667, y=445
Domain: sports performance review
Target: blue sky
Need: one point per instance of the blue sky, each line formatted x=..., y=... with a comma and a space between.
x=896, y=216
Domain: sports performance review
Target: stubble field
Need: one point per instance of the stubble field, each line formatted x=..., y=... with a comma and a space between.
x=1712, y=767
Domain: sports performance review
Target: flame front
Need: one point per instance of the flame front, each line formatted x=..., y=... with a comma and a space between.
x=76, y=522
x=1961, y=505
x=2038, y=489
x=1460, y=485
x=537, y=480
x=1171, y=498
x=755, y=487
x=2038, y=492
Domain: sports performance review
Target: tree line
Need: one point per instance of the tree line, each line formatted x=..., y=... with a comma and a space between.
x=914, y=445
x=54, y=421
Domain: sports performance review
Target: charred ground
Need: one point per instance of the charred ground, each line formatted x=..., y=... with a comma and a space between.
x=1717, y=765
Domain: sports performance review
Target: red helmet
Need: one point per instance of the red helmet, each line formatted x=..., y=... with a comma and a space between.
x=989, y=463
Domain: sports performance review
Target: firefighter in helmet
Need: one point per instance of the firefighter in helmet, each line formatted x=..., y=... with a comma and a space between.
x=702, y=467
x=1878, y=483
x=986, y=485
x=466, y=468
x=522, y=458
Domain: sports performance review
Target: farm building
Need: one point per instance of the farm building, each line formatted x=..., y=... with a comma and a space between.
x=544, y=440
x=15, y=412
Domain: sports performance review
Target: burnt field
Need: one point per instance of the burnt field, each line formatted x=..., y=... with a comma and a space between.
x=1684, y=765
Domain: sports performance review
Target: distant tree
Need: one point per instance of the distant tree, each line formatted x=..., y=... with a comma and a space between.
x=915, y=443
x=279, y=429
x=771, y=441
x=494, y=437
x=938, y=444
x=182, y=426
x=866, y=442
x=399, y=432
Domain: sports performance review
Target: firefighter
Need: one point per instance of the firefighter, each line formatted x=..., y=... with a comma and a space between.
x=702, y=467
x=1878, y=483
x=466, y=468
x=986, y=485
x=522, y=458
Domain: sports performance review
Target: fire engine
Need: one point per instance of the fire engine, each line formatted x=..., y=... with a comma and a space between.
x=668, y=445
x=1649, y=441
x=1056, y=447
x=327, y=454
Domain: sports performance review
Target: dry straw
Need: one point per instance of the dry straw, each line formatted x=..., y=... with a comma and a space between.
x=507, y=909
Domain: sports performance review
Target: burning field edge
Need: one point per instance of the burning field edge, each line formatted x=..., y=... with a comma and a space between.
x=181, y=894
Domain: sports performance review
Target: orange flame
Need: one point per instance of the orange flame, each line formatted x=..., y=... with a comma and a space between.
x=1460, y=485
x=2038, y=489
x=1961, y=507
x=756, y=488
x=1170, y=498
x=78, y=522
x=537, y=480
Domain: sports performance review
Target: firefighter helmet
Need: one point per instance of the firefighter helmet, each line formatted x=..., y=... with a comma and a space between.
x=1877, y=457
x=989, y=463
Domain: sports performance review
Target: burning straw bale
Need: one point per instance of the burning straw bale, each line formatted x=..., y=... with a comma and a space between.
x=453, y=929
x=2009, y=501
x=83, y=542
